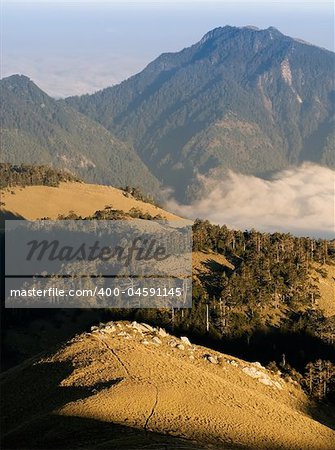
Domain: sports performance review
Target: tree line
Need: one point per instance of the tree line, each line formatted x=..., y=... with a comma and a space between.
x=30, y=175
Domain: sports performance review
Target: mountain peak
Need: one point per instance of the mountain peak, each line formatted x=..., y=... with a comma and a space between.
x=17, y=79
x=274, y=30
x=251, y=27
x=22, y=85
x=217, y=32
x=228, y=30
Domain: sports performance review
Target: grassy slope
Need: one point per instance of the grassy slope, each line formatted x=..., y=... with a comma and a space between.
x=326, y=285
x=33, y=202
x=129, y=381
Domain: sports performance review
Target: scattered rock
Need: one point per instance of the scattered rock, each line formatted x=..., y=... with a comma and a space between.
x=212, y=359
x=156, y=340
x=180, y=347
x=147, y=327
x=252, y=372
x=145, y=342
x=162, y=333
x=261, y=376
x=94, y=328
x=110, y=329
x=122, y=333
x=258, y=364
x=266, y=381
x=141, y=328
x=185, y=340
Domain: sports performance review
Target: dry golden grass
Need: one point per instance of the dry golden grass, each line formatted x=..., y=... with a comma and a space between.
x=34, y=202
x=123, y=377
x=327, y=288
x=202, y=261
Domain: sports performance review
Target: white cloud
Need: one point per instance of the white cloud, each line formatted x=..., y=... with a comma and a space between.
x=299, y=200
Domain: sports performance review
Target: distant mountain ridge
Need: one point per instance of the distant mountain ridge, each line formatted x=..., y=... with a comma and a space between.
x=254, y=101
x=36, y=129
x=250, y=100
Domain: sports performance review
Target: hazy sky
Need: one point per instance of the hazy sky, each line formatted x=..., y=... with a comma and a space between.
x=78, y=47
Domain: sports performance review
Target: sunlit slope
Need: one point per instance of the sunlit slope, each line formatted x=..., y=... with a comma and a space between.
x=326, y=284
x=141, y=379
x=34, y=202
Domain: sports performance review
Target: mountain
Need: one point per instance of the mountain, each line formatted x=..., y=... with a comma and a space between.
x=125, y=385
x=36, y=129
x=250, y=100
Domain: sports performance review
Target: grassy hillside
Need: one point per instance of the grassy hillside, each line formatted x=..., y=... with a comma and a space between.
x=154, y=391
x=35, y=202
x=324, y=275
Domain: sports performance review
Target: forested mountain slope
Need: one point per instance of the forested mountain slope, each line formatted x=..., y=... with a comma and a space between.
x=36, y=129
x=241, y=98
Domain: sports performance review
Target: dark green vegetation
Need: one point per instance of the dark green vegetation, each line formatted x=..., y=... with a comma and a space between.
x=110, y=213
x=37, y=129
x=27, y=175
x=250, y=100
x=268, y=303
x=271, y=270
x=137, y=194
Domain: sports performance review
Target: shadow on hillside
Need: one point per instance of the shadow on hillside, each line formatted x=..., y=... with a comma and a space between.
x=323, y=413
x=31, y=395
x=9, y=215
x=35, y=388
x=70, y=433
x=216, y=267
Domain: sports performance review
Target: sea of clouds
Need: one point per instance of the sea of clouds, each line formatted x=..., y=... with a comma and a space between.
x=299, y=200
